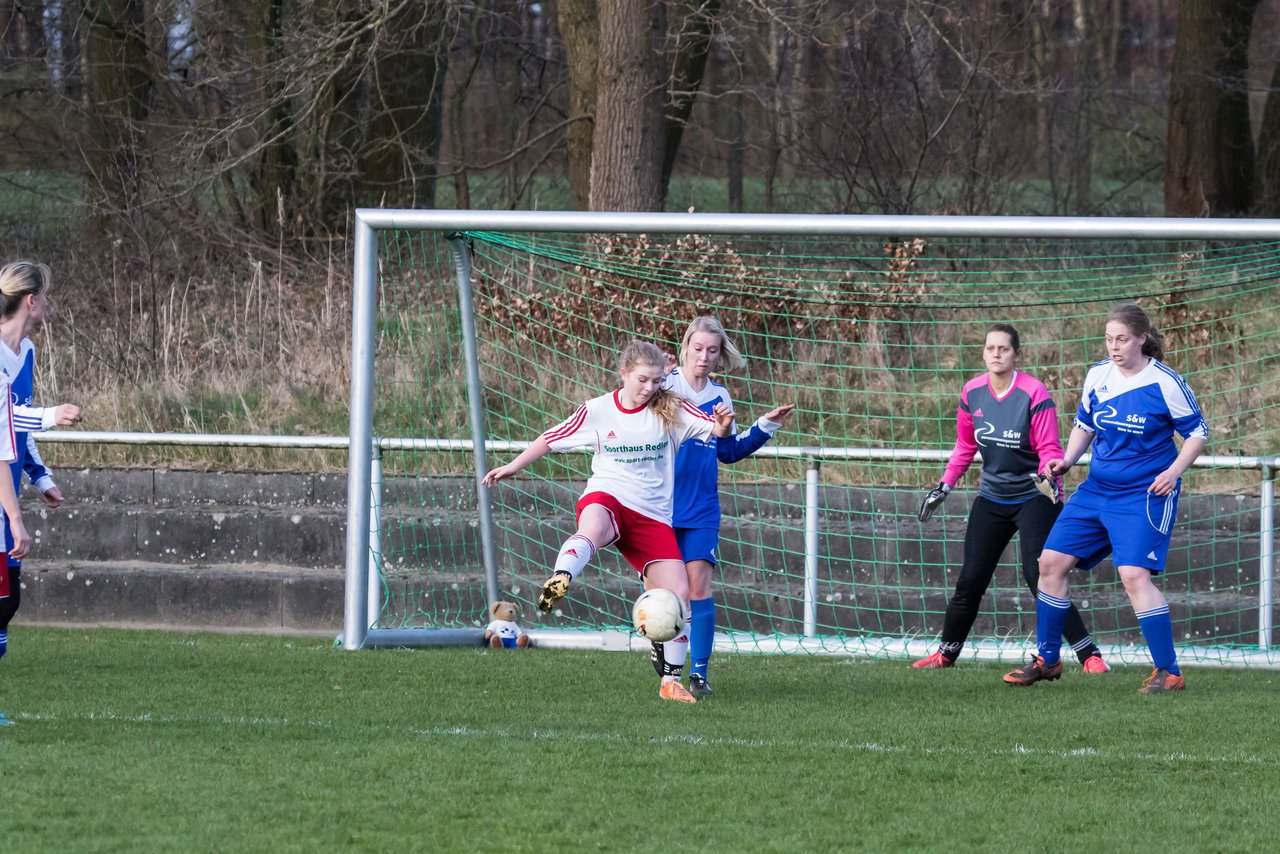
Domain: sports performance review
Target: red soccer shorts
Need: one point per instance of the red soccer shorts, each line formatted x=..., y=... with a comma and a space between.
x=641, y=539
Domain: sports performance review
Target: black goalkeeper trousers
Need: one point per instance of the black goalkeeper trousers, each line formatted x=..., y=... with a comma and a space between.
x=991, y=528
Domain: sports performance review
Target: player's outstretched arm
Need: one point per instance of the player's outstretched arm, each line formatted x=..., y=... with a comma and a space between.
x=780, y=414
x=528, y=456
x=732, y=449
x=33, y=419
x=1077, y=444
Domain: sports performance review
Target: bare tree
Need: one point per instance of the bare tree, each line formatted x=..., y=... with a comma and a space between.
x=1268, y=163
x=21, y=33
x=626, y=147
x=690, y=43
x=916, y=118
x=121, y=92
x=1210, y=156
x=622, y=59
x=579, y=27
x=398, y=163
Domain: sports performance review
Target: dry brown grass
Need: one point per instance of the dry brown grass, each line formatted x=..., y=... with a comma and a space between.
x=241, y=349
x=873, y=356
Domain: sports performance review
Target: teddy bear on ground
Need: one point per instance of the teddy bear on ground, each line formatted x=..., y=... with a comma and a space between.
x=503, y=632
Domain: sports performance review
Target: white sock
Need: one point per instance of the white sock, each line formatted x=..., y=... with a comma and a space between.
x=676, y=652
x=574, y=555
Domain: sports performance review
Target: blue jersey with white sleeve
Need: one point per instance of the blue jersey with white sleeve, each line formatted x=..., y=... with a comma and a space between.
x=697, y=492
x=18, y=370
x=1133, y=420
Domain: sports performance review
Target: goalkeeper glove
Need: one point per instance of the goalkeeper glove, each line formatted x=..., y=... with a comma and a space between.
x=1048, y=487
x=931, y=501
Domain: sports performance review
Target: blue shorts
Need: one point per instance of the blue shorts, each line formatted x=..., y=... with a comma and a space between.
x=698, y=543
x=1133, y=526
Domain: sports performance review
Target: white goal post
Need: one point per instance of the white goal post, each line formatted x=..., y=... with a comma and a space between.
x=365, y=447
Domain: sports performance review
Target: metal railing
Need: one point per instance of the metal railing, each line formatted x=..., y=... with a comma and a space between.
x=812, y=510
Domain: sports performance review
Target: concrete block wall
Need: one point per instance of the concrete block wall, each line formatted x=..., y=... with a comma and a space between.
x=265, y=551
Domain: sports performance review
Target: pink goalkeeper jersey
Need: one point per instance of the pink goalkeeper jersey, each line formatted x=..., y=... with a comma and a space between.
x=635, y=456
x=1017, y=433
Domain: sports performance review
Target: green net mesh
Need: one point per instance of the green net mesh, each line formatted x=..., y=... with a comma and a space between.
x=873, y=341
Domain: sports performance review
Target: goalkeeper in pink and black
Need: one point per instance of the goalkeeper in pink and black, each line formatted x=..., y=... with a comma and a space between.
x=1009, y=417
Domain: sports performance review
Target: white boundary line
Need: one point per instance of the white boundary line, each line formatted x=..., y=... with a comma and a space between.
x=606, y=737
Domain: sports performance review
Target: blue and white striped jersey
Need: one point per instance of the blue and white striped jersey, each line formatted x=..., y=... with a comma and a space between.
x=697, y=491
x=1133, y=420
x=28, y=419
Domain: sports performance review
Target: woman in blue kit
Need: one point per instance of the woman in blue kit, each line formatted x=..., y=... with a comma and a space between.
x=24, y=301
x=706, y=349
x=1131, y=407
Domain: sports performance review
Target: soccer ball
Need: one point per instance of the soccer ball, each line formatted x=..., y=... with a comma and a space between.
x=659, y=615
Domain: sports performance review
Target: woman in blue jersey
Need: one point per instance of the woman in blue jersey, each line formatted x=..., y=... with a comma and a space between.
x=1131, y=407
x=705, y=350
x=24, y=301
x=1009, y=416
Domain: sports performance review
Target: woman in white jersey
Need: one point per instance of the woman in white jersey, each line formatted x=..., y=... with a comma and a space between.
x=1131, y=407
x=704, y=350
x=634, y=433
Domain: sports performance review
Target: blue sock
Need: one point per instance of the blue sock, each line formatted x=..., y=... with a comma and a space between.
x=1157, y=631
x=4, y=642
x=1051, y=615
x=702, y=633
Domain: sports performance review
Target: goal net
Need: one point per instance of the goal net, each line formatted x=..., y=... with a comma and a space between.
x=872, y=339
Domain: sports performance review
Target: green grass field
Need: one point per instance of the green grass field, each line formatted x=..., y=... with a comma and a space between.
x=154, y=741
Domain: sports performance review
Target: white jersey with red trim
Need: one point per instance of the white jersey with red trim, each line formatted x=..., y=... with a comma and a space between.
x=635, y=456
x=8, y=441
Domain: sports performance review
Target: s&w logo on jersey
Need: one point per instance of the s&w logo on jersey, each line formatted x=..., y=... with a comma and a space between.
x=987, y=436
x=1109, y=416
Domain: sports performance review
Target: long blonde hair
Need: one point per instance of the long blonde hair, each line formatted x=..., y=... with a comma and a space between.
x=20, y=278
x=665, y=404
x=731, y=358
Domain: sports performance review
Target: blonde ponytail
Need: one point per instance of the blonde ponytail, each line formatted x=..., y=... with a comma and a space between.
x=19, y=279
